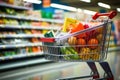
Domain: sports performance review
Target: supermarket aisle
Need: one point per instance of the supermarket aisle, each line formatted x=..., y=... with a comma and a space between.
x=54, y=71
x=117, y=67
x=46, y=72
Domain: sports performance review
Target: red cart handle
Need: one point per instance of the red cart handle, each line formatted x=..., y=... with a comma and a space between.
x=110, y=15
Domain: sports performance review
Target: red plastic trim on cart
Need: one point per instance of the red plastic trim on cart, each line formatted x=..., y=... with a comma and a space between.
x=47, y=39
x=110, y=15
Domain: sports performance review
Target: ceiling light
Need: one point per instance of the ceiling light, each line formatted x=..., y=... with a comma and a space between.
x=63, y=7
x=118, y=9
x=89, y=12
x=34, y=1
x=104, y=5
x=88, y=1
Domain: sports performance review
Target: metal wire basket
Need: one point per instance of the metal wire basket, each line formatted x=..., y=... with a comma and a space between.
x=93, y=47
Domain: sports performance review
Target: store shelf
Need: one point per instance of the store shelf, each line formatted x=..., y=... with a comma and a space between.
x=5, y=46
x=21, y=55
x=23, y=63
x=14, y=6
x=31, y=18
x=117, y=48
x=21, y=35
x=29, y=27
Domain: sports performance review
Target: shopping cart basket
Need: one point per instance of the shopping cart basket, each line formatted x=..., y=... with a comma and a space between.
x=94, y=47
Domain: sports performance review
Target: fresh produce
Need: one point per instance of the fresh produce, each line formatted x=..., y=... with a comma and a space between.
x=99, y=37
x=79, y=26
x=1, y=21
x=100, y=30
x=34, y=40
x=93, y=43
x=6, y=21
x=85, y=54
x=10, y=11
x=70, y=53
x=81, y=41
x=10, y=1
x=95, y=54
x=27, y=31
x=36, y=23
x=28, y=49
x=44, y=31
x=72, y=40
x=45, y=24
x=36, y=49
x=36, y=31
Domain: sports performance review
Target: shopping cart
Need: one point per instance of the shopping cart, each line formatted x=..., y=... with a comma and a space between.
x=92, y=47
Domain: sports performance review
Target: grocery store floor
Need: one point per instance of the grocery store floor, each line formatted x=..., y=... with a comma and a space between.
x=53, y=71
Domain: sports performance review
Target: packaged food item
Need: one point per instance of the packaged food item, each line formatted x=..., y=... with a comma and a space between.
x=10, y=1
x=45, y=24
x=49, y=34
x=27, y=31
x=68, y=24
x=1, y=21
x=36, y=49
x=36, y=24
x=35, y=40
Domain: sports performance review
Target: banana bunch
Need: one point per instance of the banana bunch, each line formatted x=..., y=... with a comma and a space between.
x=69, y=53
x=95, y=54
x=85, y=54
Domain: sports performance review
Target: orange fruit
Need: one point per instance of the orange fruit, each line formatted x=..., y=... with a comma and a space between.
x=93, y=42
x=81, y=41
x=99, y=37
x=100, y=30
